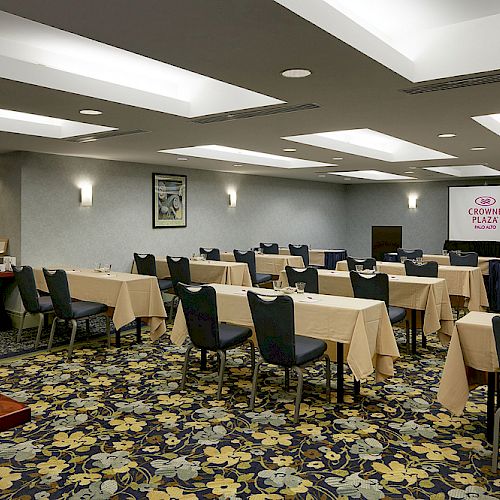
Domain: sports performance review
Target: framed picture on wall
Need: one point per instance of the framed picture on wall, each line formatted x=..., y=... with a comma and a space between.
x=169, y=200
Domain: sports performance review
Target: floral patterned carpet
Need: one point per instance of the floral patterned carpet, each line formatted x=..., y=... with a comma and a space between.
x=113, y=424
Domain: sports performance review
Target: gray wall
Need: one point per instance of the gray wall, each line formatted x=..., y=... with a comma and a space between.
x=10, y=202
x=56, y=230
x=425, y=227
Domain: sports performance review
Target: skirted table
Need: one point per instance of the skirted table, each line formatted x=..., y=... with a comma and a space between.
x=269, y=263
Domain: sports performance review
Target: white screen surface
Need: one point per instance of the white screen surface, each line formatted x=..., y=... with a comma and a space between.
x=474, y=213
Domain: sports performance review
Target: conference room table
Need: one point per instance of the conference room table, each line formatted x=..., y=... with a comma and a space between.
x=462, y=281
x=269, y=263
x=316, y=256
x=131, y=296
x=209, y=271
x=361, y=325
x=471, y=361
x=429, y=295
x=444, y=260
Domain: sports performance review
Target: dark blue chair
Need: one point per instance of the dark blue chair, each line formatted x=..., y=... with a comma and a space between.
x=494, y=285
x=410, y=254
x=309, y=276
x=66, y=310
x=205, y=332
x=270, y=248
x=369, y=263
x=426, y=270
x=334, y=256
x=496, y=418
x=211, y=253
x=391, y=257
x=464, y=259
x=32, y=302
x=300, y=251
x=274, y=324
x=248, y=257
x=146, y=265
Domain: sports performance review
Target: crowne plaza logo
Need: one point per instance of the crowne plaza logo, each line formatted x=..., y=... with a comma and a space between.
x=485, y=201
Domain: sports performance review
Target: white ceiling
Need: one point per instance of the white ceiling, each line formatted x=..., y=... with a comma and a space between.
x=243, y=47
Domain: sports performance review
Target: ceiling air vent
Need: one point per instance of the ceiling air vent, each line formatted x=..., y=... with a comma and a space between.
x=251, y=113
x=454, y=84
x=104, y=135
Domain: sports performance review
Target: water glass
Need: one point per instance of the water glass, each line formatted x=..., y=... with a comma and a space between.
x=403, y=259
x=259, y=251
x=97, y=266
x=276, y=285
x=358, y=267
x=445, y=252
x=301, y=286
x=203, y=256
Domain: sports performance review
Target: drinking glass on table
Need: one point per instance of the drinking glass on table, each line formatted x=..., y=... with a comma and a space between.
x=445, y=252
x=97, y=266
x=403, y=259
x=203, y=256
x=276, y=285
x=107, y=268
x=358, y=267
x=301, y=286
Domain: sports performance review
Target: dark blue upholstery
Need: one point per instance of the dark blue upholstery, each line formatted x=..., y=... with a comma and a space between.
x=309, y=276
x=369, y=263
x=425, y=270
x=232, y=335
x=496, y=333
x=25, y=280
x=179, y=271
x=391, y=257
x=410, y=254
x=307, y=349
x=165, y=284
x=145, y=264
x=334, y=256
x=396, y=314
x=464, y=259
x=45, y=304
x=300, y=251
x=262, y=278
x=248, y=257
x=211, y=253
x=494, y=285
x=83, y=309
x=270, y=248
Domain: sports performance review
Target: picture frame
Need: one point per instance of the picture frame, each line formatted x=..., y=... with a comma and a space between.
x=4, y=245
x=169, y=200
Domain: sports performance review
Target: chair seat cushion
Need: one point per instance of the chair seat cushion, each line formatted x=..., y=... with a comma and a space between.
x=232, y=335
x=165, y=284
x=83, y=309
x=307, y=349
x=45, y=304
x=396, y=314
x=262, y=278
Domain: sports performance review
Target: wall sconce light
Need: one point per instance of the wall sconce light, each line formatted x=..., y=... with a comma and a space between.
x=412, y=201
x=232, y=199
x=86, y=195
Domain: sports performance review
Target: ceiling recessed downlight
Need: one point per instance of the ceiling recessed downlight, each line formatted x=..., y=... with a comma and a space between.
x=478, y=148
x=91, y=112
x=337, y=158
x=369, y=143
x=225, y=153
x=373, y=175
x=45, y=126
x=289, y=150
x=447, y=135
x=182, y=159
x=296, y=73
x=466, y=171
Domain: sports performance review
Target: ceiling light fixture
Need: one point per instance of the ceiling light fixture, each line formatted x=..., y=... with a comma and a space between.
x=322, y=175
x=373, y=175
x=88, y=139
x=182, y=159
x=465, y=171
x=237, y=165
x=92, y=112
x=446, y=135
x=409, y=172
x=337, y=158
x=289, y=150
x=296, y=73
x=478, y=148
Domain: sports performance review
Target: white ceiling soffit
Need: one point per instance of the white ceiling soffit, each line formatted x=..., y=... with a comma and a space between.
x=37, y=54
x=491, y=122
x=466, y=171
x=45, y=126
x=234, y=155
x=418, y=39
x=371, y=144
x=373, y=175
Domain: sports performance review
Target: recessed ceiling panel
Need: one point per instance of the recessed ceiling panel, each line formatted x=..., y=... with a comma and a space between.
x=466, y=171
x=373, y=175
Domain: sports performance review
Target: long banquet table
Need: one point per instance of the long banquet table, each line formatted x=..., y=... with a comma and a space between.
x=316, y=256
x=410, y=292
x=463, y=281
x=444, y=260
x=209, y=271
x=471, y=361
x=130, y=295
x=361, y=324
x=269, y=263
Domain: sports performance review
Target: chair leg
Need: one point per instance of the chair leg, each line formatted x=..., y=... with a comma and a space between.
x=87, y=326
x=39, y=332
x=52, y=332
x=252, y=355
x=496, y=425
x=254, y=384
x=20, y=331
x=138, y=327
x=222, y=357
x=72, y=340
x=287, y=379
x=408, y=346
x=328, y=378
x=185, y=367
x=298, y=398
x=108, y=330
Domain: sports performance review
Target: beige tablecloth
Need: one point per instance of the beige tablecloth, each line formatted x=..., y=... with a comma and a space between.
x=461, y=280
x=131, y=295
x=209, y=271
x=363, y=324
x=444, y=260
x=472, y=349
x=269, y=264
x=422, y=294
x=316, y=256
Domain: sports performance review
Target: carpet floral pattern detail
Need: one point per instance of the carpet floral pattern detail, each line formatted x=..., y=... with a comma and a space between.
x=112, y=423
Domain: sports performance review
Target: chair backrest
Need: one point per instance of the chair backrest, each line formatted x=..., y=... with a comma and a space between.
x=248, y=258
x=300, y=251
x=410, y=254
x=179, y=271
x=370, y=287
x=25, y=280
x=211, y=253
x=57, y=283
x=200, y=310
x=274, y=323
x=464, y=259
x=425, y=270
x=270, y=248
x=309, y=276
x=494, y=285
x=145, y=264
x=369, y=263
x=496, y=333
